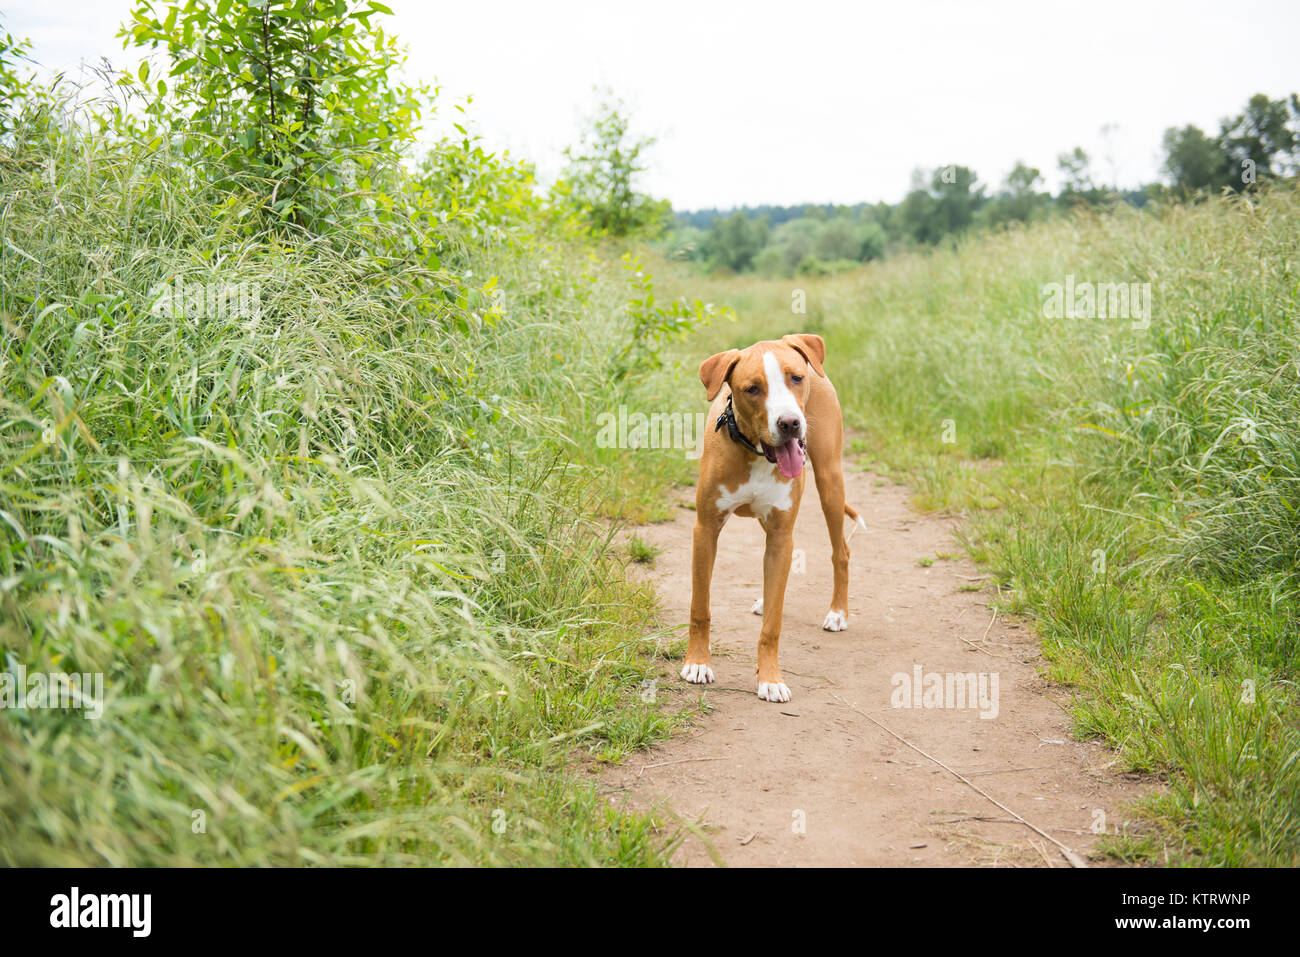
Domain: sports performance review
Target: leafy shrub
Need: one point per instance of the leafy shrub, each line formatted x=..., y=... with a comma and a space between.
x=298, y=93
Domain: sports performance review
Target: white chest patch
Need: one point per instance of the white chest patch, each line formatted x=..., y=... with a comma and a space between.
x=765, y=490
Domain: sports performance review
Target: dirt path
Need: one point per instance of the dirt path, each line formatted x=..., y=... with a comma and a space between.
x=814, y=782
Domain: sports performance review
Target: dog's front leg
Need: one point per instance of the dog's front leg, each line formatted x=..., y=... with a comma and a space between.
x=704, y=550
x=776, y=573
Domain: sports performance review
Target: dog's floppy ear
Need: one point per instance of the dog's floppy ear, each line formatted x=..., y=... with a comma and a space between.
x=715, y=370
x=812, y=348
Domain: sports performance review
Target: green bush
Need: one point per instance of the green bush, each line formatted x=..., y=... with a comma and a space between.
x=299, y=94
x=323, y=526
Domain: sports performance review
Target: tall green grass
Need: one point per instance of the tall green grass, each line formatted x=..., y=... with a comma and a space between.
x=1134, y=489
x=336, y=563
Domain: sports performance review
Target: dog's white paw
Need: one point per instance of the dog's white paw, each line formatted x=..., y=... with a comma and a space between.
x=757, y=607
x=773, y=691
x=698, y=674
x=835, y=621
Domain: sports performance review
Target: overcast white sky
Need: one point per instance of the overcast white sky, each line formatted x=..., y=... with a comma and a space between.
x=816, y=101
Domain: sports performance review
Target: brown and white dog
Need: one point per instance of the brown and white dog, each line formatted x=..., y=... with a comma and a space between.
x=774, y=407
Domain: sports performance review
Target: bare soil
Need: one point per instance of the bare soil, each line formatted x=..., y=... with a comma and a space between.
x=814, y=782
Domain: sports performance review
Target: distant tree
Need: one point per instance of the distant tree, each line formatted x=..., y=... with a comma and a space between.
x=957, y=198
x=915, y=219
x=1076, y=174
x=872, y=241
x=882, y=214
x=1194, y=161
x=600, y=179
x=1078, y=183
x=1022, y=179
x=792, y=242
x=1261, y=142
x=838, y=239
x=733, y=242
x=944, y=205
x=1263, y=139
x=1019, y=199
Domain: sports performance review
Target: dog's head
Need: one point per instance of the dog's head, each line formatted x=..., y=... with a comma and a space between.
x=769, y=391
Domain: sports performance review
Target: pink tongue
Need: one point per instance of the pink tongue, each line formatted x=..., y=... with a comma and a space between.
x=789, y=459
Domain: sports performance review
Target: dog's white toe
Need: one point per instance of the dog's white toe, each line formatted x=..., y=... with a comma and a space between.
x=698, y=674
x=757, y=607
x=773, y=691
x=835, y=621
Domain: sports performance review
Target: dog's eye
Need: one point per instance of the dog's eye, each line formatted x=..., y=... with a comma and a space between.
x=796, y=379
x=753, y=390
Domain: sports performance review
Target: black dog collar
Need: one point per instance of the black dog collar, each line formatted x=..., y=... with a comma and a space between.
x=728, y=418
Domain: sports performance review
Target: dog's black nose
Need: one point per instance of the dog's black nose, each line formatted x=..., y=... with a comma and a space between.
x=788, y=424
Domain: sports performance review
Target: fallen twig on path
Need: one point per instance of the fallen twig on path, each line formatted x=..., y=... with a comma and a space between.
x=664, y=764
x=990, y=627
x=1036, y=767
x=1074, y=859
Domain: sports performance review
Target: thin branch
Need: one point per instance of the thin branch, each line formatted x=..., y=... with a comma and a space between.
x=1074, y=859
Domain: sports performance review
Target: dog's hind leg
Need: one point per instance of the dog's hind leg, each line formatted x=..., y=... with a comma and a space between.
x=824, y=449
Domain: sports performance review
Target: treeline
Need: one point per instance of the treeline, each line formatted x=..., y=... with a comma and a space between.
x=1259, y=144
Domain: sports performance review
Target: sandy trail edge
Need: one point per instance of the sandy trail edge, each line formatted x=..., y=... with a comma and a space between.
x=812, y=782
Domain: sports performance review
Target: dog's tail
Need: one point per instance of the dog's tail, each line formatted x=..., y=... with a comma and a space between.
x=852, y=513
